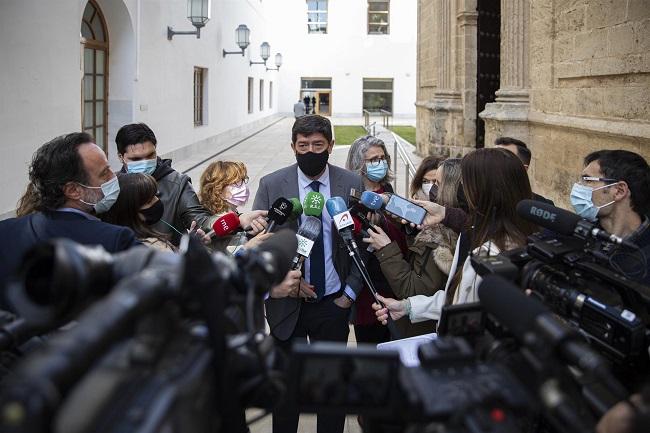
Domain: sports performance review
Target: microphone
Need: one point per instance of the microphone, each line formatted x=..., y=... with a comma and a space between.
x=276, y=255
x=297, y=209
x=224, y=225
x=371, y=200
x=565, y=223
x=279, y=213
x=307, y=234
x=344, y=223
x=313, y=204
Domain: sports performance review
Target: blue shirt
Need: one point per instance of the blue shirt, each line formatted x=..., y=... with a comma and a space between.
x=332, y=280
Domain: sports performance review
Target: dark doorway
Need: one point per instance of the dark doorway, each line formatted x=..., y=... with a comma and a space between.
x=487, y=60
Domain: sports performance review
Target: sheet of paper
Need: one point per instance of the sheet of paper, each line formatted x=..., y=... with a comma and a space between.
x=408, y=348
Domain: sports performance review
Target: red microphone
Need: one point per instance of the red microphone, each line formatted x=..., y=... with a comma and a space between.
x=224, y=225
x=357, y=225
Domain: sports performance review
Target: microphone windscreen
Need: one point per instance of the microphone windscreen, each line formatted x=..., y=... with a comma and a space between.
x=297, y=209
x=310, y=228
x=335, y=206
x=226, y=224
x=307, y=235
x=357, y=225
x=548, y=216
x=371, y=200
x=511, y=307
x=313, y=204
x=282, y=246
x=280, y=211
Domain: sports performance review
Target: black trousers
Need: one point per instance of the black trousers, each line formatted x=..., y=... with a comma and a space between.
x=322, y=321
x=371, y=334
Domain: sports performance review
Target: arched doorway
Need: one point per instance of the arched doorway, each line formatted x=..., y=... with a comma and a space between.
x=94, y=88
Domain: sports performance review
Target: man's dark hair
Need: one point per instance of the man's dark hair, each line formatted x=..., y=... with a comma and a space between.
x=311, y=124
x=135, y=133
x=54, y=164
x=629, y=167
x=522, y=150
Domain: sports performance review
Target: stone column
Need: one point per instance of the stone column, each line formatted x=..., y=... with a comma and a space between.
x=508, y=116
x=446, y=99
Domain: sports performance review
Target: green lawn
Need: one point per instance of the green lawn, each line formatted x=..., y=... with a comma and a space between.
x=347, y=134
x=406, y=132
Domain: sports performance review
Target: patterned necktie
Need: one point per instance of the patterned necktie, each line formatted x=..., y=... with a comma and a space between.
x=317, y=258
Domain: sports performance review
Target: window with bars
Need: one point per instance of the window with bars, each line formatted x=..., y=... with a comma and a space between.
x=317, y=16
x=270, y=94
x=250, y=95
x=378, y=94
x=378, y=17
x=261, y=95
x=199, y=95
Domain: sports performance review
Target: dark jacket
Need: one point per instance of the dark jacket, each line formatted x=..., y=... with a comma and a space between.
x=182, y=205
x=20, y=234
x=283, y=313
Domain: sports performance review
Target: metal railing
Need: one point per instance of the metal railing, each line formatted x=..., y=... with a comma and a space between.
x=400, y=153
x=371, y=129
x=386, y=117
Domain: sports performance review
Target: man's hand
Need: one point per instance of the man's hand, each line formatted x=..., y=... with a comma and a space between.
x=288, y=287
x=377, y=239
x=253, y=222
x=397, y=309
x=307, y=290
x=199, y=233
x=257, y=240
x=343, y=302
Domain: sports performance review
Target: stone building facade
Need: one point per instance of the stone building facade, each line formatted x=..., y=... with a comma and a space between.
x=573, y=77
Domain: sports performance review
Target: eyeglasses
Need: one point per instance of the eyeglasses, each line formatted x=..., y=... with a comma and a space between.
x=376, y=160
x=586, y=179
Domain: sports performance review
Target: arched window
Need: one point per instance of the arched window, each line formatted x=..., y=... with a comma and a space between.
x=94, y=88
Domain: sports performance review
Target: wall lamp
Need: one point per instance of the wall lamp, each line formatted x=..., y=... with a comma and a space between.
x=265, y=53
x=198, y=12
x=242, y=35
x=278, y=63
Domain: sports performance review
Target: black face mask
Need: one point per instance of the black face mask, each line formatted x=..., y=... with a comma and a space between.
x=153, y=214
x=433, y=193
x=312, y=164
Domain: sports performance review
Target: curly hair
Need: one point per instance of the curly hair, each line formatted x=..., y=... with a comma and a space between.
x=54, y=164
x=215, y=179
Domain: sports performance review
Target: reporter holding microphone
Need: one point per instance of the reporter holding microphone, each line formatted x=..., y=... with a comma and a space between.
x=494, y=181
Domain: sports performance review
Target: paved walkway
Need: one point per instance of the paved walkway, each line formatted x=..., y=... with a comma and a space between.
x=264, y=153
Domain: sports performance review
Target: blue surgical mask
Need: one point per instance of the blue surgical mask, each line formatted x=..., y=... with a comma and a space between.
x=376, y=172
x=111, y=190
x=582, y=201
x=147, y=166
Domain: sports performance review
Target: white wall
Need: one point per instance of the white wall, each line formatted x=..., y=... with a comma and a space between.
x=151, y=78
x=39, y=88
x=348, y=54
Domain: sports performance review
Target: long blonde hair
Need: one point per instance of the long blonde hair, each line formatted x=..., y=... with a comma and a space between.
x=214, y=180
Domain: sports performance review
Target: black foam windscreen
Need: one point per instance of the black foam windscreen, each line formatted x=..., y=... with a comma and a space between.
x=548, y=216
x=511, y=307
x=280, y=211
x=310, y=228
x=282, y=246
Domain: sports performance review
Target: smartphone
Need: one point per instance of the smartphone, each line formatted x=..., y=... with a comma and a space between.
x=402, y=208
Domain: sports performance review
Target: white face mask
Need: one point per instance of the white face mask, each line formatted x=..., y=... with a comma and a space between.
x=110, y=189
x=426, y=188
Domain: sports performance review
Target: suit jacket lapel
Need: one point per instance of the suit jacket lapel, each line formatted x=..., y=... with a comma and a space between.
x=289, y=188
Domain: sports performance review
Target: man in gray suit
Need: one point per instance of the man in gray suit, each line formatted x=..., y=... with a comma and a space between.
x=318, y=306
x=298, y=109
